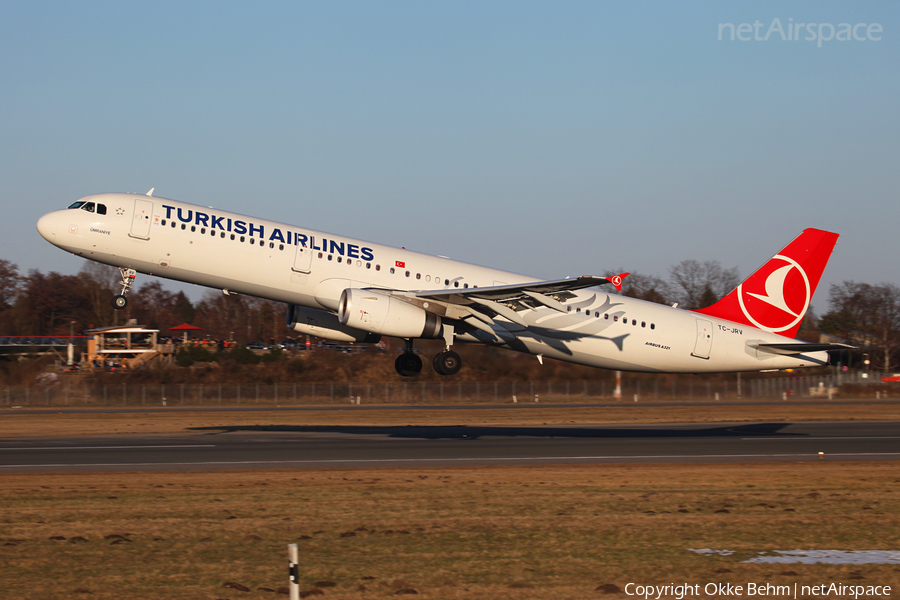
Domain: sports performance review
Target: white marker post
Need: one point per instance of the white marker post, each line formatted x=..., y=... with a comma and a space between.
x=293, y=559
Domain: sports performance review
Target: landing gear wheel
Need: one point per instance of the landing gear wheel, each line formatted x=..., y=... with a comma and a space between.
x=447, y=363
x=128, y=275
x=408, y=364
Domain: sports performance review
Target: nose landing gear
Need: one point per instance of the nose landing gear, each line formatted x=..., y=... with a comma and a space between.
x=128, y=275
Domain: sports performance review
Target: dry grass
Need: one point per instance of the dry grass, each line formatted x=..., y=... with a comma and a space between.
x=510, y=532
x=13, y=424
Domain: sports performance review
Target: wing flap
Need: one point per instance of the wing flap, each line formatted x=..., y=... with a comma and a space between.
x=554, y=290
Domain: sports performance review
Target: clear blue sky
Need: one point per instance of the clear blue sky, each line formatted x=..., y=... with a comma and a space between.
x=552, y=139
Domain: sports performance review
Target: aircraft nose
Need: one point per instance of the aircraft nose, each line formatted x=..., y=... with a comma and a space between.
x=46, y=226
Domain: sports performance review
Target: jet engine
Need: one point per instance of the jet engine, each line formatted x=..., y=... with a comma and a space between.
x=325, y=325
x=386, y=315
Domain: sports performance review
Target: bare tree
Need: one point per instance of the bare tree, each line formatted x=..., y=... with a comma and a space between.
x=100, y=283
x=644, y=287
x=698, y=285
x=9, y=283
x=868, y=315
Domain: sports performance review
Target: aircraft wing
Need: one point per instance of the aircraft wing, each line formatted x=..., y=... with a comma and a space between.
x=554, y=290
x=484, y=303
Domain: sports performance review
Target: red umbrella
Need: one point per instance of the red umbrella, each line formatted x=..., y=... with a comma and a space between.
x=186, y=327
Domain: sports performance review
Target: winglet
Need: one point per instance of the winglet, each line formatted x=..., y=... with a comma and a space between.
x=616, y=280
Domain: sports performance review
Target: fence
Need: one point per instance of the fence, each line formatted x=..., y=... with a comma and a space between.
x=659, y=388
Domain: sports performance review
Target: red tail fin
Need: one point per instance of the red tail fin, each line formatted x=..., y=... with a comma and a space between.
x=776, y=297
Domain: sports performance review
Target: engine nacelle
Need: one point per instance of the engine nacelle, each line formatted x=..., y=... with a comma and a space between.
x=379, y=313
x=325, y=325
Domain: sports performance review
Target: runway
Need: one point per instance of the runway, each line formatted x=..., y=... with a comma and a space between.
x=309, y=447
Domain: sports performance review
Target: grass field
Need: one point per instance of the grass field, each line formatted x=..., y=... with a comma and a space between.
x=511, y=532
x=522, y=532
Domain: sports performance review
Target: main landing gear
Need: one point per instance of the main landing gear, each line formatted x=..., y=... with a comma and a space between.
x=128, y=275
x=447, y=362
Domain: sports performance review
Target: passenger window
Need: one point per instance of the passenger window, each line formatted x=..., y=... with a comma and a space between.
x=465, y=285
x=193, y=228
x=606, y=316
x=428, y=278
x=368, y=265
x=203, y=230
x=455, y=284
x=407, y=273
x=577, y=311
x=652, y=326
x=320, y=255
x=242, y=238
x=330, y=256
x=643, y=324
x=392, y=270
x=446, y=282
x=163, y=222
x=173, y=224
x=271, y=244
x=183, y=226
x=101, y=209
x=223, y=235
x=377, y=267
x=615, y=317
x=339, y=259
x=232, y=236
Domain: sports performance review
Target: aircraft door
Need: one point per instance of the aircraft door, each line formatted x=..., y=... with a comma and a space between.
x=140, y=220
x=303, y=259
x=703, y=344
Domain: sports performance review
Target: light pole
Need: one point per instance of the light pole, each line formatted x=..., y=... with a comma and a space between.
x=70, y=354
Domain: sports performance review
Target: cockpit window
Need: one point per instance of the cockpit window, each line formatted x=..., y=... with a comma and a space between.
x=101, y=209
x=88, y=206
x=76, y=204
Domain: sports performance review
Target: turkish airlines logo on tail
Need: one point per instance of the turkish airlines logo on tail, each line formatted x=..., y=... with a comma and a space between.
x=777, y=297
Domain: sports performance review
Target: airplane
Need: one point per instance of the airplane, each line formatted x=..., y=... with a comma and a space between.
x=349, y=290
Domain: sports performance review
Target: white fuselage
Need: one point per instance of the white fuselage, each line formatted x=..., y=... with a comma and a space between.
x=296, y=265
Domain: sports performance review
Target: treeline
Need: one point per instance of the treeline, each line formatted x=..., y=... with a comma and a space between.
x=52, y=304
x=38, y=304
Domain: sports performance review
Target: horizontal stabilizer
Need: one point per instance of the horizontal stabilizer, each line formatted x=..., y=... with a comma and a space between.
x=798, y=347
